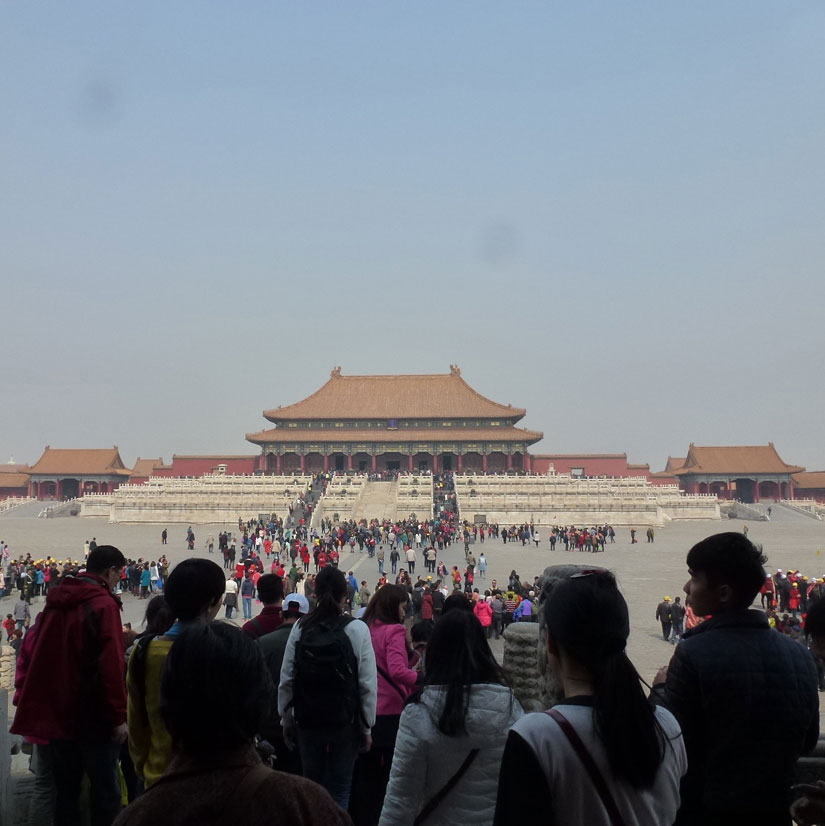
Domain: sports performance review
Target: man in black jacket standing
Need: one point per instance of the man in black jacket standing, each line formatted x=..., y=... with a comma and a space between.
x=663, y=615
x=745, y=696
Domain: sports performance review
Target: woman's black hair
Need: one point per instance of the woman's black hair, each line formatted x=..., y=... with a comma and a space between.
x=194, y=585
x=385, y=603
x=159, y=616
x=458, y=657
x=209, y=662
x=330, y=589
x=587, y=617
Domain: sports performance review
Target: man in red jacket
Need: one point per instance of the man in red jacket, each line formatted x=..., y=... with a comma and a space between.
x=73, y=694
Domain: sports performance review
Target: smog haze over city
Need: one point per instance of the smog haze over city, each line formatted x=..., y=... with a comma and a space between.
x=609, y=214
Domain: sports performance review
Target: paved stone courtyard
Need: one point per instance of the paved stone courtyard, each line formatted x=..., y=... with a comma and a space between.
x=646, y=572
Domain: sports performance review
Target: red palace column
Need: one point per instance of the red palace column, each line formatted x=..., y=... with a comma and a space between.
x=410, y=462
x=279, y=464
x=484, y=463
x=509, y=461
x=349, y=461
x=435, y=463
x=756, y=490
x=374, y=462
x=460, y=463
x=326, y=462
x=303, y=463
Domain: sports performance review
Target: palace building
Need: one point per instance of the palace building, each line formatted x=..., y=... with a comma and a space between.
x=385, y=423
x=747, y=473
x=65, y=474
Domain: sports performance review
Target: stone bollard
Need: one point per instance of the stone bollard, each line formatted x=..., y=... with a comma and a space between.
x=521, y=644
x=7, y=661
x=525, y=655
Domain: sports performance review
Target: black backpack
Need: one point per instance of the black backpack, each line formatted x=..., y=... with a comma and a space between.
x=325, y=691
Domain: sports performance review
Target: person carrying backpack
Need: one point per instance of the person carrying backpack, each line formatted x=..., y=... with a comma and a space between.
x=328, y=691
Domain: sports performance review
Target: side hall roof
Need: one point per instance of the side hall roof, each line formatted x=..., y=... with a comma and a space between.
x=442, y=395
x=810, y=479
x=14, y=480
x=70, y=462
x=144, y=467
x=734, y=460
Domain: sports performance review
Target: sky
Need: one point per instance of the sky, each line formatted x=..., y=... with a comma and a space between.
x=610, y=214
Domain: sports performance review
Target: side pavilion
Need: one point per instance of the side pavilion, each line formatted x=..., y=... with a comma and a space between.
x=747, y=473
x=395, y=423
x=64, y=474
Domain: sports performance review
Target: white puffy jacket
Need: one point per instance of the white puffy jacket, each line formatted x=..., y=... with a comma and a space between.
x=425, y=759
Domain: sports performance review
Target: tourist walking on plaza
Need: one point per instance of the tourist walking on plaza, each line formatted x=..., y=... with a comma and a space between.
x=74, y=694
x=230, y=598
x=677, y=620
x=663, y=616
x=450, y=740
x=604, y=755
x=397, y=679
x=328, y=692
x=247, y=594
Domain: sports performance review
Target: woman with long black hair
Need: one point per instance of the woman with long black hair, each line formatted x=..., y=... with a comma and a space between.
x=604, y=756
x=451, y=738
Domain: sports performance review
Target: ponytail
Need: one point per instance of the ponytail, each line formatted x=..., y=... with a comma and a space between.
x=626, y=722
x=587, y=616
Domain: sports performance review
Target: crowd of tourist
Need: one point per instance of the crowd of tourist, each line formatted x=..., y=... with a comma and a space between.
x=383, y=700
x=385, y=704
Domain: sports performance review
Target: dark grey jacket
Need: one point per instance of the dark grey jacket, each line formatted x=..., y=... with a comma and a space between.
x=746, y=699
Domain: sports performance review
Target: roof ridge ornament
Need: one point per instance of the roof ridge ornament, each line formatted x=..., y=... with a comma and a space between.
x=454, y=370
x=336, y=371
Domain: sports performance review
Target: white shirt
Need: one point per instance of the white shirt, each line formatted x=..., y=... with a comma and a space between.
x=231, y=587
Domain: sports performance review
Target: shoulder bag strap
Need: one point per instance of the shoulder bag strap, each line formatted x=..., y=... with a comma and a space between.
x=435, y=800
x=589, y=763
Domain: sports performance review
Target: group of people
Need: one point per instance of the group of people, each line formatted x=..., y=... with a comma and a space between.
x=377, y=720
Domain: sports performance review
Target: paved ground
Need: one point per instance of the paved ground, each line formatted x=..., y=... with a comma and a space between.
x=645, y=571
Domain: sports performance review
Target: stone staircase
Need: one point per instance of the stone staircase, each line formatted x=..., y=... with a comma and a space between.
x=783, y=513
x=33, y=509
x=377, y=501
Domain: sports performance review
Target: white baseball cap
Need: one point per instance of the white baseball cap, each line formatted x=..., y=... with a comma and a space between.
x=298, y=599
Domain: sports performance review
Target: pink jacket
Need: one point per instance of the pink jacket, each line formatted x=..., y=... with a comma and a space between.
x=389, y=644
x=484, y=611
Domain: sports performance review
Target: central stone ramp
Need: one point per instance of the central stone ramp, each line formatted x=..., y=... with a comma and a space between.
x=378, y=501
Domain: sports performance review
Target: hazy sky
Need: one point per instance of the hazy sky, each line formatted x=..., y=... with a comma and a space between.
x=609, y=213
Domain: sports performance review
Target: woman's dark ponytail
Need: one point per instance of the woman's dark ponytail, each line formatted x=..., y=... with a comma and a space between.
x=587, y=616
x=626, y=722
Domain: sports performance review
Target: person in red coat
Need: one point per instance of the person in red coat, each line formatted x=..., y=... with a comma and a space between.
x=74, y=691
x=484, y=611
